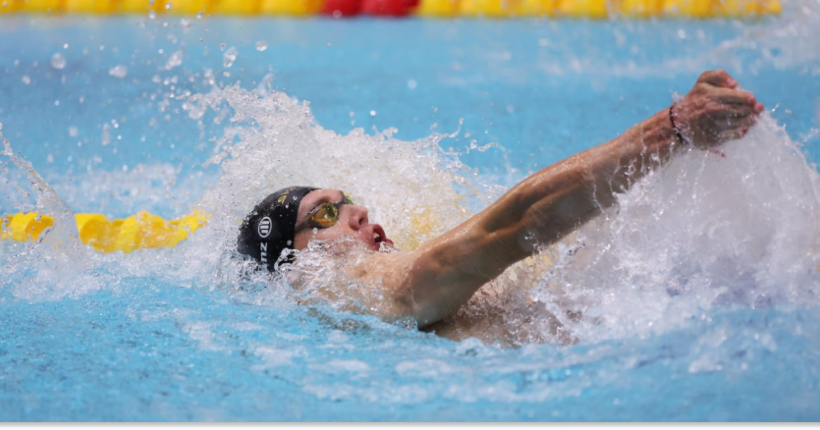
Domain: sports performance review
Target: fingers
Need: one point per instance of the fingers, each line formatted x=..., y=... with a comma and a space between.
x=734, y=111
x=736, y=103
x=735, y=133
x=718, y=78
x=744, y=122
x=736, y=128
x=735, y=122
x=734, y=97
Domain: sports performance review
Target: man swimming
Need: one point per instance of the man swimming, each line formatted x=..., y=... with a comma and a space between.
x=431, y=283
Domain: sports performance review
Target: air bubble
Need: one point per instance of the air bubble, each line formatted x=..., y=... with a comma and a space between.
x=261, y=46
x=58, y=61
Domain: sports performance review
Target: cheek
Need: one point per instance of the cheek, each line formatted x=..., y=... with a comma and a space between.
x=305, y=236
x=300, y=241
x=331, y=233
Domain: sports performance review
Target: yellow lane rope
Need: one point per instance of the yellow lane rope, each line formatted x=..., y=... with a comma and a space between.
x=139, y=231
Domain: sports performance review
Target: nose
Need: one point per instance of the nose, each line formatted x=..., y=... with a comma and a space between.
x=357, y=216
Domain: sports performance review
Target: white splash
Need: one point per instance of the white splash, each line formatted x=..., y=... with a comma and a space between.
x=737, y=227
x=272, y=141
x=59, y=256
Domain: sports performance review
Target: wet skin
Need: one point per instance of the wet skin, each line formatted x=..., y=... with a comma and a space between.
x=353, y=222
x=434, y=281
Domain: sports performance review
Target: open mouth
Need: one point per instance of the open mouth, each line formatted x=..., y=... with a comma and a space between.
x=380, y=237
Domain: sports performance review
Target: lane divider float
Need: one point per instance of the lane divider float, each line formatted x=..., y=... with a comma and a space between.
x=595, y=9
x=139, y=231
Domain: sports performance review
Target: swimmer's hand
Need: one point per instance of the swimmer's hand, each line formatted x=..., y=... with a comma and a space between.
x=715, y=111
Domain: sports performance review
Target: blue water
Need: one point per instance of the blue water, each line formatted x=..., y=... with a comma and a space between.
x=162, y=335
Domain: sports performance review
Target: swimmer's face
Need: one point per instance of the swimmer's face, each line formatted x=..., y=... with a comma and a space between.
x=351, y=221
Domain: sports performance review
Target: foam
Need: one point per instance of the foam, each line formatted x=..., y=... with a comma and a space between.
x=734, y=227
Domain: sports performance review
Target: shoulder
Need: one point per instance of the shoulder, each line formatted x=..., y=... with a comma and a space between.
x=391, y=274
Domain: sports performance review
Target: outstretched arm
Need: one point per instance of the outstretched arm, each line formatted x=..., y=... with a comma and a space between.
x=445, y=272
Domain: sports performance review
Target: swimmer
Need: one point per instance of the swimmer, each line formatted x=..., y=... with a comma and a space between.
x=433, y=282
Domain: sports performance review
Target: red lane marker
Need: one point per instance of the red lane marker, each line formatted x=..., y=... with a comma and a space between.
x=340, y=8
x=389, y=7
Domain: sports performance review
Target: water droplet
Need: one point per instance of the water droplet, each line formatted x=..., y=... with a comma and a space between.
x=106, y=135
x=261, y=46
x=229, y=57
x=58, y=61
x=118, y=71
x=174, y=60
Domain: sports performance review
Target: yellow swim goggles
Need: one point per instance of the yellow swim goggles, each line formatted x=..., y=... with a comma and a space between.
x=325, y=215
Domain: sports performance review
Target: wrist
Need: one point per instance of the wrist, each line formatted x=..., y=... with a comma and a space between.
x=675, y=129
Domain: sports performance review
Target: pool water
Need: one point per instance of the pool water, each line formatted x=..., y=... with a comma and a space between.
x=700, y=290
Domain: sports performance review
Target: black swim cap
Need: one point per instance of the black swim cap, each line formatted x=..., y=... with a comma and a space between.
x=269, y=228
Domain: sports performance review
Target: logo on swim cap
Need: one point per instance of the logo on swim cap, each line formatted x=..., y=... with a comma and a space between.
x=264, y=227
